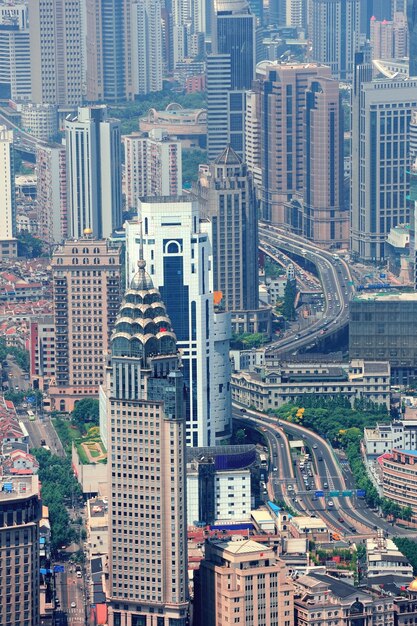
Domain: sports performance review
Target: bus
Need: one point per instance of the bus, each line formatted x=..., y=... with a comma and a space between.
x=31, y=416
x=264, y=460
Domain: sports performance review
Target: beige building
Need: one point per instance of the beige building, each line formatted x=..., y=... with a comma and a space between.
x=321, y=600
x=242, y=582
x=51, y=197
x=86, y=287
x=270, y=388
x=42, y=352
x=20, y=512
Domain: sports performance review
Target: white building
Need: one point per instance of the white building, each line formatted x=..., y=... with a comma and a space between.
x=401, y=434
x=384, y=559
x=15, y=78
x=146, y=46
x=51, y=199
x=94, y=183
x=40, y=120
x=153, y=166
x=177, y=250
x=7, y=195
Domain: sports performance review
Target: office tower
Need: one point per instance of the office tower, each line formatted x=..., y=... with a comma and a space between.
x=381, y=115
x=86, y=294
x=412, y=35
x=178, y=253
x=323, y=216
x=147, y=467
x=230, y=71
x=108, y=50
x=51, y=196
x=226, y=191
x=153, y=166
x=55, y=52
x=336, y=35
x=40, y=120
x=8, y=244
x=251, y=574
x=94, y=181
x=15, y=79
x=20, y=512
x=146, y=46
x=282, y=90
x=253, y=116
x=296, y=13
x=167, y=41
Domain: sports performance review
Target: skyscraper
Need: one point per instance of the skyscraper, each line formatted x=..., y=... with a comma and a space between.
x=296, y=13
x=55, y=51
x=381, y=115
x=227, y=194
x=8, y=244
x=230, y=71
x=86, y=294
x=15, y=79
x=153, y=166
x=94, y=180
x=336, y=29
x=108, y=50
x=51, y=195
x=412, y=35
x=177, y=249
x=147, y=465
x=146, y=46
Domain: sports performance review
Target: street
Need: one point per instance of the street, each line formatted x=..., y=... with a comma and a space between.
x=69, y=591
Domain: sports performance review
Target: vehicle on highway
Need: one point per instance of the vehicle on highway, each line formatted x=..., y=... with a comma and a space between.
x=43, y=442
x=330, y=503
x=341, y=520
x=315, y=446
x=73, y=605
x=290, y=488
x=320, y=458
x=79, y=575
x=31, y=416
x=325, y=486
x=353, y=529
x=243, y=410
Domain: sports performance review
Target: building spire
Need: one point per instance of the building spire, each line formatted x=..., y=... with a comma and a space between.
x=141, y=261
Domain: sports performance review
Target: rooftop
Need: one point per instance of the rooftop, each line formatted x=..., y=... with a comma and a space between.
x=247, y=546
x=387, y=296
x=14, y=488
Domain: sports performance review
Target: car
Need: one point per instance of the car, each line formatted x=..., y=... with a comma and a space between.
x=16, y=387
x=243, y=410
x=315, y=446
x=330, y=503
x=341, y=520
x=275, y=469
x=320, y=458
x=290, y=488
x=353, y=529
x=73, y=605
x=325, y=486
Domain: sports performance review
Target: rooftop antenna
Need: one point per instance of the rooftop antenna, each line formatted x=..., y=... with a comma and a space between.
x=141, y=261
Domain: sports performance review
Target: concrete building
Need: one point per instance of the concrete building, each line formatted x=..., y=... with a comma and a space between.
x=153, y=166
x=94, y=178
x=177, y=249
x=272, y=387
x=382, y=327
x=385, y=437
x=55, y=52
x=381, y=114
x=336, y=30
x=51, y=196
x=20, y=512
x=189, y=126
x=412, y=34
x=399, y=477
x=40, y=120
x=97, y=526
x=219, y=484
x=296, y=13
x=243, y=582
x=42, y=352
x=147, y=66
x=86, y=283
x=15, y=79
x=384, y=559
x=147, y=468
x=389, y=39
x=8, y=243
x=323, y=599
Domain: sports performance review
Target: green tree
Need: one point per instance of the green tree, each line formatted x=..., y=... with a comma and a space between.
x=288, y=308
x=409, y=548
x=191, y=159
x=240, y=436
x=28, y=246
x=86, y=412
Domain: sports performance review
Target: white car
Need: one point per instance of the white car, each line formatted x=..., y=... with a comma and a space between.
x=330, y=503
x=73, y=605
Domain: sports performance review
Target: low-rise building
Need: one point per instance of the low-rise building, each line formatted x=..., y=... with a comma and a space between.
x=42, y=352
x=270, y=388
x=323, y=600
x=385, y=437
x=313, y=528
x=383, y=559
x=399, y=477
x=97, y=526
x=243, y=582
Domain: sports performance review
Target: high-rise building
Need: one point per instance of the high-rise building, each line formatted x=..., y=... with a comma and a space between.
x=389, y=39
x=336, y=30
x=412, y=35
x=147, y=466
x=51, y=195
x=226, y=191
x=15, y=79
x=86, y=293
x=296, y=13
x=153, y=166
x=8, y=244
x=20, y=512
x=251, y=574
x=42, y=352
x=230, y=72
x=177, y=249
x=55, y=52
x=147, y=65
x=108, y=50
x=381, y=115
x=40, y=120
x=94, y=180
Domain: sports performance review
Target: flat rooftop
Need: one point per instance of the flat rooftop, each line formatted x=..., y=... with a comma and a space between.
x=18, y=487
x=386, y=296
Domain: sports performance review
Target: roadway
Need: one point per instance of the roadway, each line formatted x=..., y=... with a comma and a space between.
x=350, y=517
x=335, y=278
x=22, y=139
x=70, y=598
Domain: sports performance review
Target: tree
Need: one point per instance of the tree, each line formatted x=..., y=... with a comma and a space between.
x=191, y=159
x=28, y=246
x=240, y=436
x=288, y=308
x=86, y=411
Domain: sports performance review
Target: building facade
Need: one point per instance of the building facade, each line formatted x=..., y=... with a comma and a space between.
x=40, y=120
x=147, y=508
x=86, y=293
x=8, y=244
x=399, y=477
x=244, y=582
x=381, y=115
x=412, y=34
x=51, y=194
x=147, y=65
x=15, y=79
x=55, y=52
x=42, y=352
x=94, y=177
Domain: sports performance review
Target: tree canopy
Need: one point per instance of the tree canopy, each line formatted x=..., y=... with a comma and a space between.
x=85, y=414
